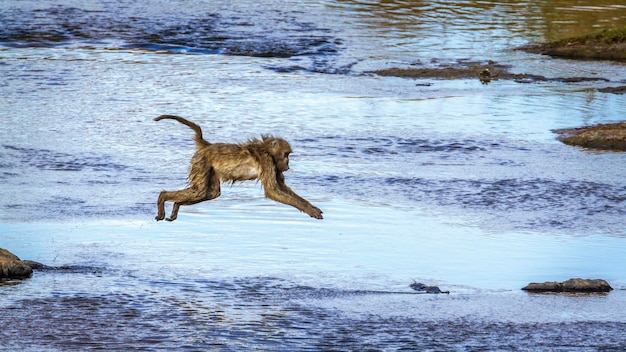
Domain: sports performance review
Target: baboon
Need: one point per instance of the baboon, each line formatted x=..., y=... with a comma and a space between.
x=264, y=159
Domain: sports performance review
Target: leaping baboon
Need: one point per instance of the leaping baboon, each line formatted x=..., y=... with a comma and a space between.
x=264, y=159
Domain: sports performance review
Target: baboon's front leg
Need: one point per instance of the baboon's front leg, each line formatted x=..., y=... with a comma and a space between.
x=283, y=194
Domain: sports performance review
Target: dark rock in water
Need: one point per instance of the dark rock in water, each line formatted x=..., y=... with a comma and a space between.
x=610, y=136
x=571, y=285
x=11, y=267
x=614, y=90
x=586, y=285
x=551, y=286
x=35, y=265
x=418, y=286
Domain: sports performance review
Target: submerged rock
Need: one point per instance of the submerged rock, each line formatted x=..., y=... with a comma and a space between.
x=35, y=265
x=11, y=267
x=610, y=136
x=571, y=285
x=614, y=90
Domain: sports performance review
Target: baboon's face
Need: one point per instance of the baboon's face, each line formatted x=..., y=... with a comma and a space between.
x=283, y=163
x=280, y=150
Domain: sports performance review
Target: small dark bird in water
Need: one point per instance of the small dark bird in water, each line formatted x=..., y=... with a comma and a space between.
x=485, y=76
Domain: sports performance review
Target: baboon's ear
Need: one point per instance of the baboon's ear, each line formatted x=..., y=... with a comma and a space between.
x=274, y=143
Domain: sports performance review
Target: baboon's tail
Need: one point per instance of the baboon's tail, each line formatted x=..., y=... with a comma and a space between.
x=200, y=142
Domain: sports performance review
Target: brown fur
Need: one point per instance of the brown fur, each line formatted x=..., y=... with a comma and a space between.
x=213, y=163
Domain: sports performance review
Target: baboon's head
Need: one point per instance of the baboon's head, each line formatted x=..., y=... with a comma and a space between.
x=280, y=150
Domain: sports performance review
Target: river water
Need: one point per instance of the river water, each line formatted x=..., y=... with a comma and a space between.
x=448, y=182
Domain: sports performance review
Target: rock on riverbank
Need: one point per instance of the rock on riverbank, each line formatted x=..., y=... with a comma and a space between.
x=571, y=285
x=12, y=267
x=610, y=136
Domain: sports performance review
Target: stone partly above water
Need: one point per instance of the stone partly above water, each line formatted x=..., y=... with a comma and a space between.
x=571, y=285
x=614, y=90
x=610, y=136
x=485, y=71
x=422, y=288
x=11, y=267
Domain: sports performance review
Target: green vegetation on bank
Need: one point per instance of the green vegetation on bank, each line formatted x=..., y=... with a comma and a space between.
x=605, y=36
x=605, y=44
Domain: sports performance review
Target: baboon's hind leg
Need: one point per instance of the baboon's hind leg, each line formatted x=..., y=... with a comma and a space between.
x=185, y=196
x=174, y=213
x=188, y=196
x=209, y=196
x=211, y=191
x=161, y=206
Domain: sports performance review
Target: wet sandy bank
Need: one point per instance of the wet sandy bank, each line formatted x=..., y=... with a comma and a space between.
x=485, y=71
x=606, y=44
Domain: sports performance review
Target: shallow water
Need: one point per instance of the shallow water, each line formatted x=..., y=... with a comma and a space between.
x=449, y=182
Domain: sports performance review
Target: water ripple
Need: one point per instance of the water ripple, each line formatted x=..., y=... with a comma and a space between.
x=281, y=35
x=272, y=314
